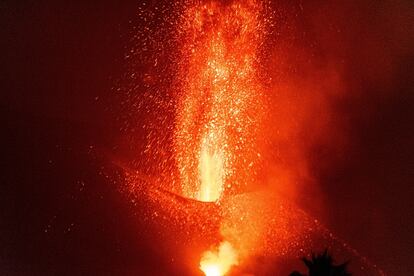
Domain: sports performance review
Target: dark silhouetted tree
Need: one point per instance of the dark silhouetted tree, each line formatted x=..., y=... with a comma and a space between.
x=322, y=265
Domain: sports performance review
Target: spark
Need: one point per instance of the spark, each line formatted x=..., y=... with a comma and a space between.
x=220, y=103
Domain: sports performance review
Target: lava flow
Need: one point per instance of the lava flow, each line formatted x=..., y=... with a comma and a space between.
x=220, y=104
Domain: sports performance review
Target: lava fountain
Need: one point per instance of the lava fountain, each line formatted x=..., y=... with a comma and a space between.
x=220, y=107
x=217, y=150
x=220, y=104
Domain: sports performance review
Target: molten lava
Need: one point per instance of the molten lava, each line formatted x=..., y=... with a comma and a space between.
x=211, y=171
x=219, y=263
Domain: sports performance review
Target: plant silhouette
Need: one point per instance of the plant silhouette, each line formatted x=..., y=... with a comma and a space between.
x=322, y=265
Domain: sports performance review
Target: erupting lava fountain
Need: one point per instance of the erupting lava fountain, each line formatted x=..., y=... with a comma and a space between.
x=220, y=107
x=218, y=147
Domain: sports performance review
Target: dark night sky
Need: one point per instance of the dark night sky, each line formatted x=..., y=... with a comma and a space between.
x=59, y=63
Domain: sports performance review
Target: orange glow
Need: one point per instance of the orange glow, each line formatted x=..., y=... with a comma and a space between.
x=218, y=263
x=220, y=100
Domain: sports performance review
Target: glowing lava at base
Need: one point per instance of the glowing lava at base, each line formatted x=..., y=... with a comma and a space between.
x=219, y=263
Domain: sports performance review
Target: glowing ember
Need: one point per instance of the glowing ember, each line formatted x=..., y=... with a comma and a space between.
x=220, y=103
x=219, y=263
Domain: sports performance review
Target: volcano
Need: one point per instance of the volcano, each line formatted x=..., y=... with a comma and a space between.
x=210, y=204
x=269, y=233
